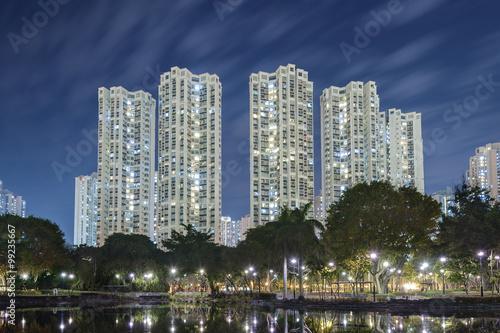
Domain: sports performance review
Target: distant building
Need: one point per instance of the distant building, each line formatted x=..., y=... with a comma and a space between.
x=405, y=165
x=230, y=231
x=246, y=223
x=126, y=163
x=233, y=232
x=11, y=203
x=484, y=169
x=282, y=142
x=189, y=153
x=360, y=143
x=319, y=210
x=446, y=199
x=85, y=222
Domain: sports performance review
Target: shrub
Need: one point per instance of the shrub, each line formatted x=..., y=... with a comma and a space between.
x=476, y=299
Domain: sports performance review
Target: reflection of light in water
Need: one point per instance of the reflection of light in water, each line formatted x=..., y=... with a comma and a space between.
x=229, y=320
x=23, y=321
x=172, y=329
x=131, y=324
x=61, y=327
x=70, y=320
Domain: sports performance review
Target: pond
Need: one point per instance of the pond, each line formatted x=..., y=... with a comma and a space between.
x=241, y=319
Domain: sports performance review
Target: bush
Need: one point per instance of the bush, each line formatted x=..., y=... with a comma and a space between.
x=476, y=299
x=266, y=296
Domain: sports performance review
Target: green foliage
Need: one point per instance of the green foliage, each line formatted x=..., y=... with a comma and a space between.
x=395, y=223
x=477, y=300
x=193, y=252
x=39, y=245
x=474, y=223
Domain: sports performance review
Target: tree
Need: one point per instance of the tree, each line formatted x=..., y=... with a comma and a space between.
x=40, y=245
x=294, y=232
x=131, y=253
x=393, y=223
x=193, y=251
x=472, y=225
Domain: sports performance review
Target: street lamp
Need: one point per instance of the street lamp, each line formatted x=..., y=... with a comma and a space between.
x=63, y=275
x=423, y=268
x=294, y=262
x=481, y=254
x=173, y=270
x=373, y=256
x=443, y=260
x=498, y=276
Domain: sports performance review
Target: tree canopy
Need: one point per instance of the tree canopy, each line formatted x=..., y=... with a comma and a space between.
x=393, y=223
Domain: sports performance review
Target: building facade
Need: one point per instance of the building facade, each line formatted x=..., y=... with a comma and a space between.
x=405, y=154
x=190, y=148
x=233, y=232
x=282, y=143
x=126, y=163
x=319, y=211
x=352, y=138
x=85, y=222
x=11, y=203
x=446, y=198
x=361, y=143
x=484, y=169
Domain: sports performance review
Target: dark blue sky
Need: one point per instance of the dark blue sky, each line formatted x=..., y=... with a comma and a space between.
x=426, y=57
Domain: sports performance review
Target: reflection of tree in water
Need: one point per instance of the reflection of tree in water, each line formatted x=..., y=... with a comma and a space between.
x=206, y=319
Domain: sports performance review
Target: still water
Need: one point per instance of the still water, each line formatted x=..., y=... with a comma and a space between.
x=247, y=320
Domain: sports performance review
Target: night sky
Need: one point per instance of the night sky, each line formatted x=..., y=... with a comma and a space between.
x=427, y=56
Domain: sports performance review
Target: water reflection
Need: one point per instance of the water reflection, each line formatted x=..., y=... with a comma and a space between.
x=230, y=319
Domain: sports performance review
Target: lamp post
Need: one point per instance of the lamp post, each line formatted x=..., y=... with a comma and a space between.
x=63, y=275
x=330, y=264
x=497, y=258
x=481, y=254
x=173, y=270
x=70, y=276
x=294, y=277
x=443, y=260
x=373, y=256
x=202, y=271
x=423, y=268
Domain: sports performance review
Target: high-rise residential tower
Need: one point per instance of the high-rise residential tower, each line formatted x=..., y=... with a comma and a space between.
x=85, y=223
x=126, y=162
x=352, y=138
x=189, y=159
x=360, y=143
x=11, y=203
x=282, y=145
x=319, y=211
x=446, y=198
x=484, y=169
x=405, y=154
